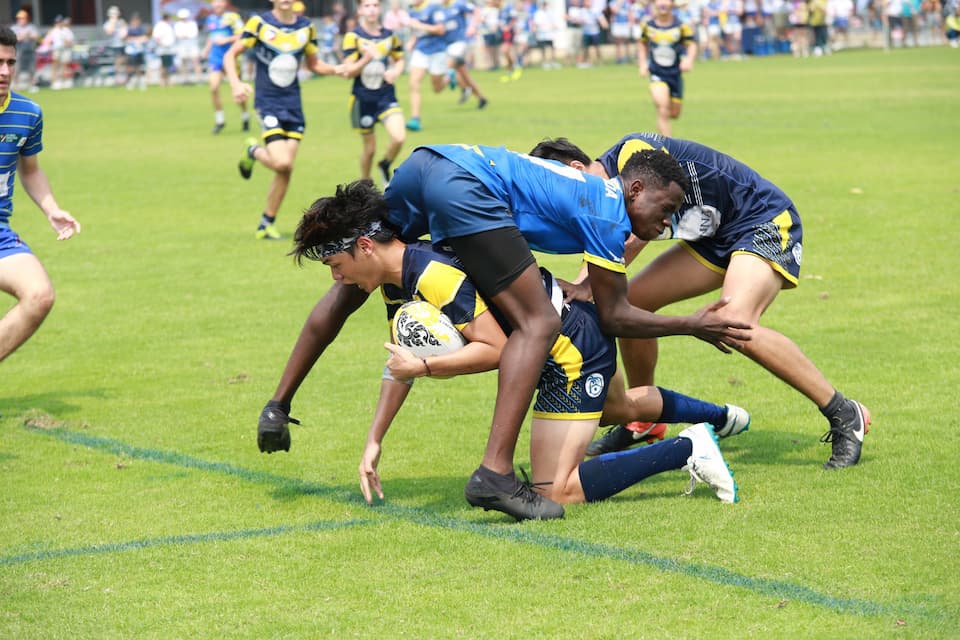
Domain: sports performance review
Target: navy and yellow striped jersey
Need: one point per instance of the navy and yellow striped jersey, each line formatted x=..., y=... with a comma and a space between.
x=278, y=49
x=369, y=85
x=21, y=130
x=723, y=191
x=575, y=378
x=665, y=45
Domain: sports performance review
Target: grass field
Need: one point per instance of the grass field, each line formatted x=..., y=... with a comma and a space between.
x=135, y=504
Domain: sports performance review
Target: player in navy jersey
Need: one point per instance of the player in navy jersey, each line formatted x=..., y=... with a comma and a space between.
x=280, y=39
x=577, y=388
x=487, y=204
x=223, y=28
x=374, y=95
x=666, y=49
x=21, y=273
x=739, y=233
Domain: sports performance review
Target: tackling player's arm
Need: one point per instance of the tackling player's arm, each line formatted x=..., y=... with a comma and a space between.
x=320, y=329
x=621, y=319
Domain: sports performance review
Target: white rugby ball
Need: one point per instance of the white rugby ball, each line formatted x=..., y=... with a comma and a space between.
x=425, y=330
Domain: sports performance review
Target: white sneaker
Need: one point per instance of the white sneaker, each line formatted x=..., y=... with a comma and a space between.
x=738, y=421
x=706, y=463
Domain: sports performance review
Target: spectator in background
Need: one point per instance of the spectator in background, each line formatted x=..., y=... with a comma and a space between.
x=620, y=29
x=818, y=26
x=799, y=29
x=592, y=21
x=327, y=40
x=188, y=46
x=952, y=26
x=115, y=29
x=545, y=30
x=839, y=13
x=59, y=42
x=135, y=48
x=27, y=40
x=165, y=43
x=732, y=28
x=396, y=19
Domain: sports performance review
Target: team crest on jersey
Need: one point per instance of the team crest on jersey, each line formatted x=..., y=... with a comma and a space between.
x=797, y=253
x=269, y=35
x=593, y=385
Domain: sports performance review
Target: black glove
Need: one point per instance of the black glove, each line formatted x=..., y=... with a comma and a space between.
x=272, y=432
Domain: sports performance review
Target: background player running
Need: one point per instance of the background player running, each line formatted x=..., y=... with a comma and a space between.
x=280, y=40
x=223, y=28
x=666, y=49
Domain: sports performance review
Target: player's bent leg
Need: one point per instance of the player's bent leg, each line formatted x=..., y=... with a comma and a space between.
x=672, y=276
x=23, y=276
x=556, y=450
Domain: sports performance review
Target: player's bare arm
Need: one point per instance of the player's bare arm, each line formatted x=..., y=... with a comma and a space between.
x=37, y=186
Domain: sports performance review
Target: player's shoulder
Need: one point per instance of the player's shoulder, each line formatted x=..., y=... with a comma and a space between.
x=21, y=105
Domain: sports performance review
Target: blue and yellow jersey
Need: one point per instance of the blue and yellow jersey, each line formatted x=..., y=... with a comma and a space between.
x=574, y=381
x=226, y=25
x=557, y=209
x=458, y=14
x=278, y=49
x=369, y=85
x=665, y=45
x=21, y=130
x=428, y=12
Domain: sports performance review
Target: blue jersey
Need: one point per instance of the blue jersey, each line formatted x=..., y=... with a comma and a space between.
x=278, y=49
x=21, y=130
x=458, y=14
x=226, y=25
x=431, y=13
x=576, y=376
x=557, y=209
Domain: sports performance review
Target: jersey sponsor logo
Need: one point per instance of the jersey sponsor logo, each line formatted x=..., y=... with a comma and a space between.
x=13, y=138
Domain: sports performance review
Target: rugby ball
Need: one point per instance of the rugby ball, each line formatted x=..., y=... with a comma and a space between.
x=425, y=330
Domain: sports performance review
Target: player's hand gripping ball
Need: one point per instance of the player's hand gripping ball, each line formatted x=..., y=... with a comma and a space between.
x=425, y=330
x=272, y=431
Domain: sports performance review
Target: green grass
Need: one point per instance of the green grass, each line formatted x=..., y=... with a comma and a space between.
x=135, y=502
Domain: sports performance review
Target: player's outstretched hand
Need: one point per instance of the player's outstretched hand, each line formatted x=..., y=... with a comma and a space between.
x=64, y=224
x=369, y=478
x=711, y=326
x=272, y=431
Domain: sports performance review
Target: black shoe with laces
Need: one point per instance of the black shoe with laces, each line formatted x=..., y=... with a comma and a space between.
x=846, y=437
x=616, y=438
x=217, y=128
x=520, y=501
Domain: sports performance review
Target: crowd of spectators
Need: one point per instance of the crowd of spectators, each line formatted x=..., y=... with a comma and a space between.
x=507, y=36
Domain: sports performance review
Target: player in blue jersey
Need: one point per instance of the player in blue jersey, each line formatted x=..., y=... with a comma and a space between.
x=491, y=206
x=739, y=233
x=21, y=273
x=578, y=387
x=429, y=54
x=280, y=40
x=374, y=95
x=460, y=27
x=223, y=28
x=666, y=49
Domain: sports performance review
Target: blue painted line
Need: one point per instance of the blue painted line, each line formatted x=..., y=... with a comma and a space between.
x=218, y=536
x=515, y=533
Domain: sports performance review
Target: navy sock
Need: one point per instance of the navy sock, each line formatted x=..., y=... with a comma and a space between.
x=680, y=408
x=611, y=473
x=266, y=220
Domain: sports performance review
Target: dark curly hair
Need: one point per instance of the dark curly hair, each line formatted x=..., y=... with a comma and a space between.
x=346, y=214
x=561, y=150
x=655, y=165
x=8, y=38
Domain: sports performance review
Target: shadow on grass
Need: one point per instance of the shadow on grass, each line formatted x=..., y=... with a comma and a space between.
x=54, y=403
